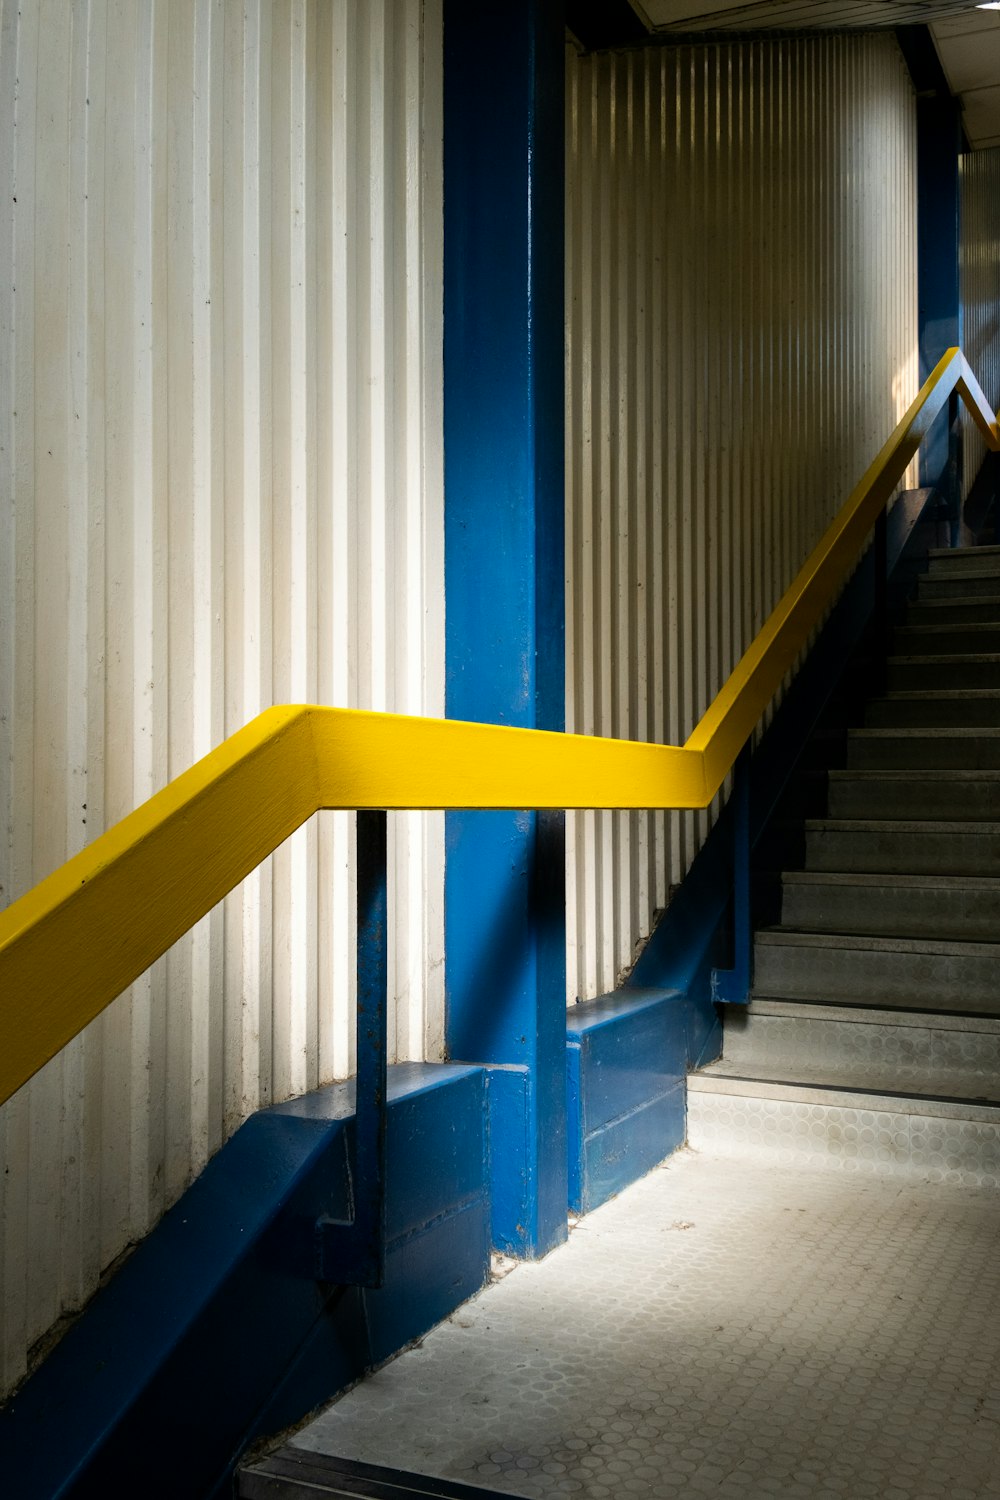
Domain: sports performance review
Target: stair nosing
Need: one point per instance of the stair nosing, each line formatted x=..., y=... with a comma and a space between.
x=955, y=658
x=867, y=878
x=832, y=1012
x=785, y=937
x=932, y=773
x=938, y=695
x=926, y=826
x=846, y=1097
x=926, y=732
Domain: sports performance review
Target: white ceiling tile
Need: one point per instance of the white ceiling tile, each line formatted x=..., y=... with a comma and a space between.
x=972, y=61
x=964, y=22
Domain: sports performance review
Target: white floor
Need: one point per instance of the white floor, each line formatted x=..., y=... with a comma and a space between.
x=726, y=1328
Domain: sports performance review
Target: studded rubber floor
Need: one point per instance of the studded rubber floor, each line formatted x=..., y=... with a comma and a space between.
x=723, y=1328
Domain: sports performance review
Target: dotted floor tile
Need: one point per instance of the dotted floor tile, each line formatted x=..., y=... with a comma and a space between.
x=726, y=1328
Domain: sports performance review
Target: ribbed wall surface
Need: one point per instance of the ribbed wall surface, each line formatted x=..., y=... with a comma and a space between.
x=220, y=488
x=741, y=340
x=979, y=260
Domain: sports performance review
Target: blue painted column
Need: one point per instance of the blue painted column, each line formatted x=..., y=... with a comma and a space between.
x=939, y=144
x=504, y=549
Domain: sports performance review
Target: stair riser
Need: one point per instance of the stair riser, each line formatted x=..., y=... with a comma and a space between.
x=935, y=642
x=914, y=674
x=860, y=851
x=944, y=981
x=965, y=801
x=799, y=1043
x=955, y=612
x=910, y=1146
x=970, y=916
x=958, y=563
x=957, y=586
x=934, y=713
x=914, y=752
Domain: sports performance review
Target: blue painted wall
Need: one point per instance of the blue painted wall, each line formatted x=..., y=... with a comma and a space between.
x=503, y=428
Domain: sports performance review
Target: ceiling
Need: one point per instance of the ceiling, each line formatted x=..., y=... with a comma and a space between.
x=966, y=37
x=968, y=44
x=738, y=15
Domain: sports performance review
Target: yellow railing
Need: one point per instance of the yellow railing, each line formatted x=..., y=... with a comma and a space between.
x=72, y=944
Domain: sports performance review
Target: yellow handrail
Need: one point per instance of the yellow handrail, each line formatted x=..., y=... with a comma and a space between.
x=76, y=940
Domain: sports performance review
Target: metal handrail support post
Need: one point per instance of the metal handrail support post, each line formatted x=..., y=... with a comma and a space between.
x=352, y=1252
x=732, y=986
x=954, y=472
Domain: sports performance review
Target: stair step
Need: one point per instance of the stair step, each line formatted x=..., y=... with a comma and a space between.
x=954, y=611
x=929, y=1094
x=861, y=1131
x=961, y=908
x=974, y=637
x=970, y=669
x=917, y=974
x=922, y=796
x=927, y=1053
x=946, y=561
x=941, y=709
x=929, y=749
x=294, y=1473
x=900, y=846
x=974, y=583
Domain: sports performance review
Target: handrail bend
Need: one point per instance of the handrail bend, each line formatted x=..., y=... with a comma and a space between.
x=80, y=937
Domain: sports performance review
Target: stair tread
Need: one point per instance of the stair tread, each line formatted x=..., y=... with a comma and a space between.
x=969, y=1009
x=902, y=825
x=932, y=773
x=955, y=627
x=937, y=695
x=955, y=1083
x=988, y=550
x=955, y=657
x=868, y=880
x=865, y=943
x=928, y=732
x=979, y=601
x=859, y=1013
x=920, y=1091
x=961, y=575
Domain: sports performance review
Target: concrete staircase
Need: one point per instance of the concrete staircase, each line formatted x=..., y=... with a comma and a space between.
x=872, y=1040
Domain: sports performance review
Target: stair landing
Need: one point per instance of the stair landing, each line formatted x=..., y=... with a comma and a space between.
x=724, y=1327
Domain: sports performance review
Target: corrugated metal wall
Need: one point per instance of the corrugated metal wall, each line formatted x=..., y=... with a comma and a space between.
x=979, y=265
x=220, y=488
x=741, y=339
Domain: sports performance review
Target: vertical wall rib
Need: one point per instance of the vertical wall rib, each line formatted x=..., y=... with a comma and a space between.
x=220, y=449
x=979, y=286
x=741, y=339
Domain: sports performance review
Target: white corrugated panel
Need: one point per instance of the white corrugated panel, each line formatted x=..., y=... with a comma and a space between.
x=979, y=262
x=741, y=340
x=220, y=449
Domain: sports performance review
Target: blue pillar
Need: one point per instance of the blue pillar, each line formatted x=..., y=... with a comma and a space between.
x=503, y=423
x=939, y=144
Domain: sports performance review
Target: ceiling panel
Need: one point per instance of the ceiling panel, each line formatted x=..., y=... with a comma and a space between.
x=968, y=45
x=724, y=15
x=972, y=61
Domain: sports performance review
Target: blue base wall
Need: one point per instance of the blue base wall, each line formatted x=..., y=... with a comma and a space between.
x=215, y=1331
x=626, y=1060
